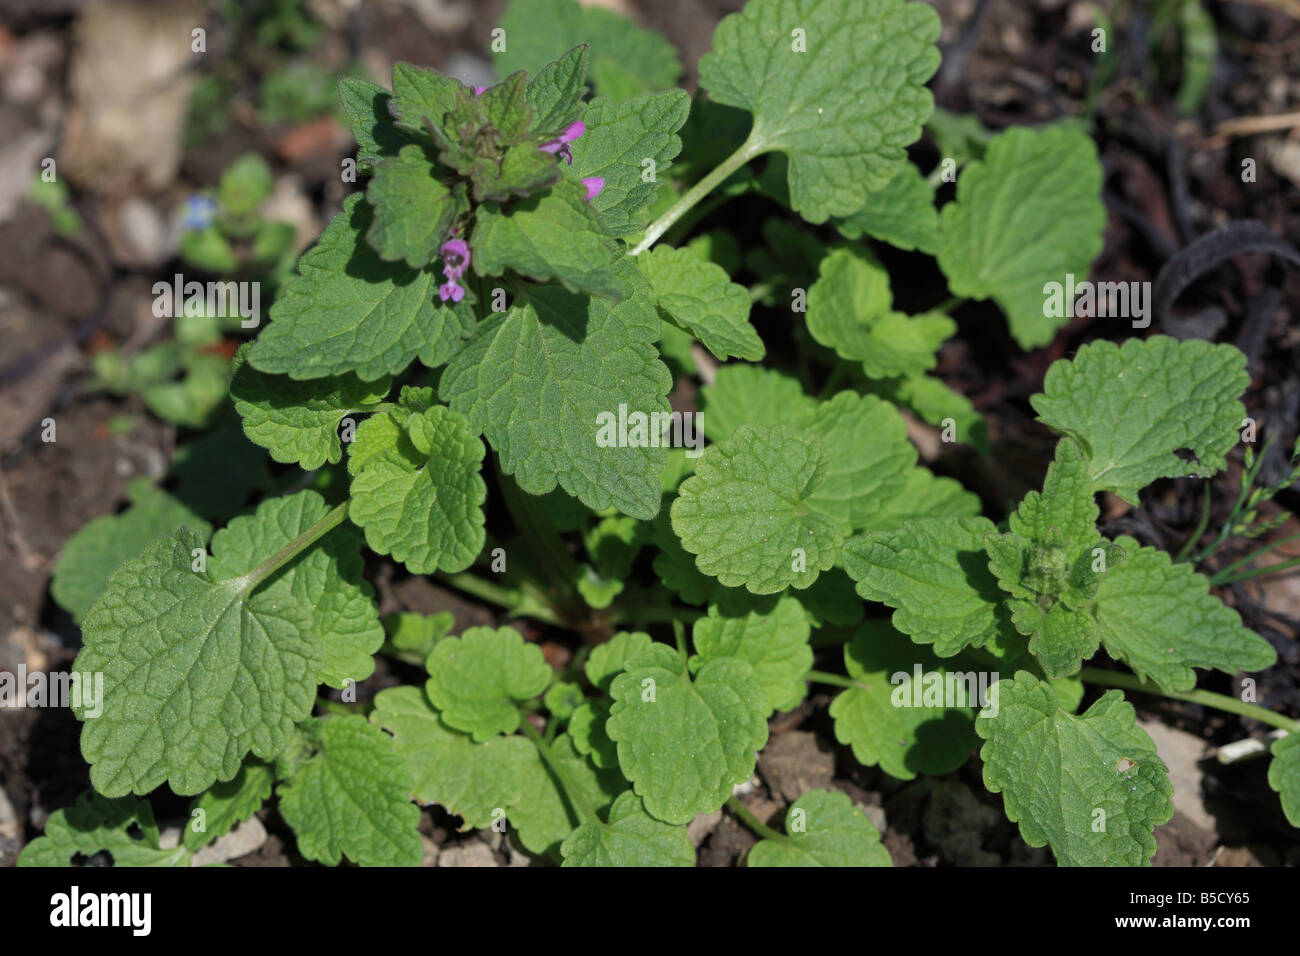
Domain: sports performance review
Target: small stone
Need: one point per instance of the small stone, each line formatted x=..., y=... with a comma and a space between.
x=698, y=830
x=470, y=853
x=244, y=839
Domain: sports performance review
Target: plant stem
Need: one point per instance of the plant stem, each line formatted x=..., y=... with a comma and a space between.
x=747, y=151
x=679, y=633
x=299, y=544
x=825, y=677
x=550, y=556
x=1231, y=705
x=1200, y=528
x=1257, y=572
x=687, y=222
x=483, y=590
x=754, y=823
x=577, y=799
x=1227, y=575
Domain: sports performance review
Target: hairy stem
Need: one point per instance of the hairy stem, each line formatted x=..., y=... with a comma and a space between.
x=746, y=817
x=747, y=151
x=1231, y=705
x=295, y=547
x=577, y=799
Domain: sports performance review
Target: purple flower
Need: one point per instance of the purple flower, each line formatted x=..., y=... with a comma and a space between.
x=560, y=145
x=594, y=185
x=478, y=90
x=456, y=257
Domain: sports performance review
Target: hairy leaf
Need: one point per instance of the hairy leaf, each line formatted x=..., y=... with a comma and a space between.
x=1092, y=786
x=1027, y=214
x=685, y=742
x=823, y=828
x=351, y=798
x=475, y=679
x=750, y=514
x=1134, y=406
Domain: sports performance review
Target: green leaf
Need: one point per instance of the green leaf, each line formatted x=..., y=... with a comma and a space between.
x=350, y=311
x=1284, y=775
x=96, y=824
x=544, y=816
x=226, y=804
x=612, y=544
x=420, y=94
x=1095, y=789
x=1161, y=619
x=476, y=679
x=823, y=828
x=1047, y=561
x=630, y=837
x=209, y=250
x=699, y=297
x=933, y=401
x=923, y=495
x=103, y=544
x=1028, y=214
x=831, y=601
x=540, y=379
x=418, y=494
x=873, y=457
x=245, y=185
x=901, y=214
x=845, y=130
x=934, y=572
x=774, y=642
x=327, y=578
x=850, y=310
x=1132, y=407
x=750, y=394
x=298, y=422
x=471, y=780
x=198, y=670
x=685, y=742
x=351, y=798
x=750, y=512
x=555, y=235
x=620, y=139
x=216, y=471
x=488, y=143
x=555, y=92
x=562, y=698
x=366, y=106
x=890, y=718
x=607, y=660
x=413, y=636
x=414, y=210
x=587, y=731
x=539, y=31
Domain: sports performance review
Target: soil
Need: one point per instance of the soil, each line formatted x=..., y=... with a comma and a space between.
x=1169, y=179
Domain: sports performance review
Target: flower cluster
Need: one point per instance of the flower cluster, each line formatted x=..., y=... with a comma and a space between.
x=455, y=260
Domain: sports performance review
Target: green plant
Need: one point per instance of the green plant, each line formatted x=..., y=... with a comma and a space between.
x=497, y=308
